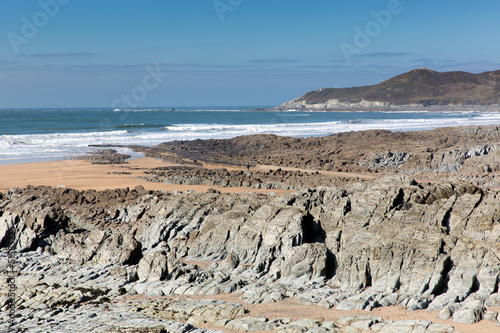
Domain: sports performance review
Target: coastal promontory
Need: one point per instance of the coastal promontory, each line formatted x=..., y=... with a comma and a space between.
x=418, y=89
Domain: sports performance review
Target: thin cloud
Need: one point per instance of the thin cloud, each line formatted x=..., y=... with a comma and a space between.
x=171, y=65
x=274, y=61
x=425, y=61
x=204, y=66
x=375, y=55
x=8, y=62
x=386, y=55
x=59, y=55
x=392, y=70
x=473, y=67
x=194, y=67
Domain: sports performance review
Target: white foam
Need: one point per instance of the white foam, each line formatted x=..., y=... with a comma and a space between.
x=61, y=145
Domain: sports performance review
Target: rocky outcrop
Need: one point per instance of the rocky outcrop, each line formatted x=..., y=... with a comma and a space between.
x=304, y=262
x=335, y=104
x=272, y=179
x=451, y=160
x=105, y=156
x=390, y=159
x=451, y=154
x=389, y=242
x=153, y=266
x=97, y=246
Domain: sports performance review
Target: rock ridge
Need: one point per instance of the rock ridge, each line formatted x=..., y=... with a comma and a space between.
x=389, y=242
x=454, y=154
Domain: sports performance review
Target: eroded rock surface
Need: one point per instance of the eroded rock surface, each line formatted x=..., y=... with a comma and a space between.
x=453, y=154
x=388, y=242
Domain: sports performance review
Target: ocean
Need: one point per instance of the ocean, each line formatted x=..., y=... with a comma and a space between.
x=32, y=135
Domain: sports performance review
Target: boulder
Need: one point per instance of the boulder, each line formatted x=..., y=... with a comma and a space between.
x=98, y=246
x=153, y=266
x=304, y=262
x=470, y=313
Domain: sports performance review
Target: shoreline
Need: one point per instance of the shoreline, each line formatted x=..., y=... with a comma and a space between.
x=58, y=143
x=361, y=155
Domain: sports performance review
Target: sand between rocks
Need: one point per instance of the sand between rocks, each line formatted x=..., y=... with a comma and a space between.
x=82, y=175
x=290, y=308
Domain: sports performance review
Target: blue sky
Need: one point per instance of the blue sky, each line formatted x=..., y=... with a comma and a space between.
x=85, y=53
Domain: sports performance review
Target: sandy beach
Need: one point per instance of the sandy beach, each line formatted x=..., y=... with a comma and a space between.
x=82, y=175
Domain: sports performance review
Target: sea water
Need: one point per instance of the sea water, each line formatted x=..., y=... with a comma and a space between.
x=30, y=135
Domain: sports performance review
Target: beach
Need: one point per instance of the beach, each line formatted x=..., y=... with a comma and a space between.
x=366, y=230
x=240, y=166
x=83, y=175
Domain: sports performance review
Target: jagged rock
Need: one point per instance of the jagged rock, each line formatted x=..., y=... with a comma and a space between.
x=389, y=242
x=232, y=262
x=136, y=330
x=361, y=322
x=153, y=266
x=7, y=222
x=304, y=263
x=491, y=316
x=493, y=300
x=105, y=156
x=28, y=222
x=98, y=246
x=385, y=159
x=470, y=313
x=447, y=312
x=407, y=326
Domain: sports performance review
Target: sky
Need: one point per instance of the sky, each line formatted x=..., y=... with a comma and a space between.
x=167, y=53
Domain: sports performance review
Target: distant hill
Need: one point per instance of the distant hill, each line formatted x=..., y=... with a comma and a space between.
x=419, y=87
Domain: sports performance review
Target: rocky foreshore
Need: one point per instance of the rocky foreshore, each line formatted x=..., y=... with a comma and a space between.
x=104, y=156
x=133, y=260
x=271, y=179
x=469, y=154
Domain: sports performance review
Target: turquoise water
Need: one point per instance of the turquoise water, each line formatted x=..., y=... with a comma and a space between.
x=50, y=134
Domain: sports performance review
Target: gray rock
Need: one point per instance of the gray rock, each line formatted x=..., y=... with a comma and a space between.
x=383, y=243
x=304, y=262
x=353, y=303
x=447, y=312
x=470, y=313
x=404, y=326
x=98, y=246
x=153, y=266
x=158, y=329
x=491, y=316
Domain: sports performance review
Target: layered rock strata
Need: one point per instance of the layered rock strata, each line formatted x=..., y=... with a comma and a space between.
x=468, y=154
x=367, y=245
